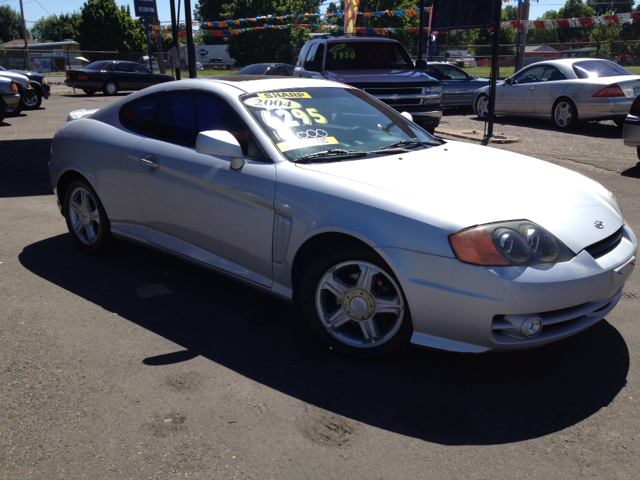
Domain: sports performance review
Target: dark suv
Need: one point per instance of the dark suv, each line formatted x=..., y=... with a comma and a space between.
x=379, y=66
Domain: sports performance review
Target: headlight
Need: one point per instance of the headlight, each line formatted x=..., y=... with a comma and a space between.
x=436, y=89
x=508, y=243
x=616, y=203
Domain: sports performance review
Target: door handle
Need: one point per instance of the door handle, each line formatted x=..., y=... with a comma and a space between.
x=149, y=163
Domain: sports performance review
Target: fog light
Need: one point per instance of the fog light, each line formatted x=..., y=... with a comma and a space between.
x=531, y=327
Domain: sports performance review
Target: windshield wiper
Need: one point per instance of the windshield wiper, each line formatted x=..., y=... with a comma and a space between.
x=336, y=152
x=410, y=144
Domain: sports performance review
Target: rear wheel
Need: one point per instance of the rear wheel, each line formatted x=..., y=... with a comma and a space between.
x=565, y=113
x=34, y=101
x=89, y=91
x=110, y=88
x=86, y=219
x=2, y=111
x=482, y=106
x=354, y=302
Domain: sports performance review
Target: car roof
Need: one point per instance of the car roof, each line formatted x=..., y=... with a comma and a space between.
x=360, y=38
x=569, y=61
x=259, y=83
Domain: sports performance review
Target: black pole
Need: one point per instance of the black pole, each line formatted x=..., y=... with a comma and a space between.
x=146, y=31
x=176, y=42
x=420, y=63
x=191, y=51
x=494, y=69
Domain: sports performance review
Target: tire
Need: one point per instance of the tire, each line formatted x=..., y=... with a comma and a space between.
x=3, y=112
x=33, y=102
x=89, y=91
x=638, y=152
x=482, y=106
x=86, y=219
x=14, y=112
x=354, y=302
x=564, y=114
x=110, y=87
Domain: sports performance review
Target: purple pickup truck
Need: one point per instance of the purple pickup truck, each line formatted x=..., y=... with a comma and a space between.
x=379, y=66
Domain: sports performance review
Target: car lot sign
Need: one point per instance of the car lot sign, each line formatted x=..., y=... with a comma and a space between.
x=145, y=8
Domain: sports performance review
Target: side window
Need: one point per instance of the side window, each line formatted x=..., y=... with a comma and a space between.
x=552, y=74
x=122, y=67
x=530, y=75
x=452, y=73
x=433, y=72
x=303, y=54
x=138, y=116
x=139, y=68
x=312, y=52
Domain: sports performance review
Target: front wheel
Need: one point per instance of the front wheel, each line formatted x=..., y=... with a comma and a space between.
x=15, y=111
x=565, y=114
x=110, y=88
x=86, y=219
x=354, y=302
x=482, y=106
x=34, y=101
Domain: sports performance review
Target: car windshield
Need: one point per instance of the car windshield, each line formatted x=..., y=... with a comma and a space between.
x=366, y=56
x=303, y=122
x=599, y=68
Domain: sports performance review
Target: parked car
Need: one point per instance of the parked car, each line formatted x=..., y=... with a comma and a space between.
x=112, y=76
x=631, y=128
x=41, y=88
x=320, y=194
x=565, y=91
x=282, y=69
x=24, y=87
x=378, y=65
x=458, y=86
x=9, y=96
x=199, y=66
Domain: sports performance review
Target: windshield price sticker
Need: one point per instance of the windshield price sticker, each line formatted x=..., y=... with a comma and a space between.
x=283, y=95
x=337, y=47
x=282, y=118
x=306, y=143
x=271, y=103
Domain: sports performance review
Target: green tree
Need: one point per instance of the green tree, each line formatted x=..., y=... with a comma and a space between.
x=269, y=45
x=604, y=7
x=104, y=25
x=574, y=9
x=10, y=26
x=511, y=12
x=544, y=36
x=56, y=27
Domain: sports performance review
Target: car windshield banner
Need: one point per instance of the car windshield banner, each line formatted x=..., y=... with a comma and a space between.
x=145, y=8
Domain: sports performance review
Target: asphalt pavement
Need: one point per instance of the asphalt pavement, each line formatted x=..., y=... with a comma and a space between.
x=137, y=365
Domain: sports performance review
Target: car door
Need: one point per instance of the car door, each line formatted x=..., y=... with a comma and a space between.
x=548, y=89
x=456, y=89
x=142, y=77
x=123, y=74
x=195, y=204
x=518, y=96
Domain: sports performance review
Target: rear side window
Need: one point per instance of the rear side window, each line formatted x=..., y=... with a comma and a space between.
x=599, y=68
x=256, y=69
x=138, y=116
x=122, y=67
x=99, y=66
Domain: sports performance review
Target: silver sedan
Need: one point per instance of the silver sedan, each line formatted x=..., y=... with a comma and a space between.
x=565, y=91
x=319, y=194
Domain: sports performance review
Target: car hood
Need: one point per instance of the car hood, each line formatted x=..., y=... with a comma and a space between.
x=16, y=77
x=378, y=76
x=457, y=185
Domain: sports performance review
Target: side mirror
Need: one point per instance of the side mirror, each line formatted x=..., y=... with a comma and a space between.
x=508, y=81
x=221, y=144
x=407, y=115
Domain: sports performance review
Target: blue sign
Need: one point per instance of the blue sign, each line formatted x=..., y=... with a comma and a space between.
x=145, y=8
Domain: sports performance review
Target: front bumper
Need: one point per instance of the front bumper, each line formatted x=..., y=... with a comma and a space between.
x=460, y=307
x=11, y=100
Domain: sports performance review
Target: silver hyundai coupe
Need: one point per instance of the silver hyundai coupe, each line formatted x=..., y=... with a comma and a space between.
x=322, y=195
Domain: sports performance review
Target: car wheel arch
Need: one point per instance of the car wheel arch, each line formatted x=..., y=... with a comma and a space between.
x=66, y=179
x=312, y=247
x=575, y=118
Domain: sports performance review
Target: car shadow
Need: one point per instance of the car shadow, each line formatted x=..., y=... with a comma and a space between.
x=633, y=172
x=594, y=129
x=23, y=168
x=440, y=397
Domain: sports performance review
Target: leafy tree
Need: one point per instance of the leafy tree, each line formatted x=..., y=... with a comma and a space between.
x=511, y=12
x=10, y=25
x=544, y=36
x=56, y=28
x=105, y=25
x=604, y=7
x=269, y=45
x=574, y=9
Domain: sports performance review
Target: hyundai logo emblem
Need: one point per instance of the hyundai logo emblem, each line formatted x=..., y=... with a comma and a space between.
x=598, y=224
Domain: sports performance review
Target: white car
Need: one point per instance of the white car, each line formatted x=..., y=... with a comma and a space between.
x=320, y=194
x=565, y=91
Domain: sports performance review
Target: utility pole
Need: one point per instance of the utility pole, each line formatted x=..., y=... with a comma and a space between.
x=176, y=42
x=27, y=61
x=191, y=51
x=523, y=16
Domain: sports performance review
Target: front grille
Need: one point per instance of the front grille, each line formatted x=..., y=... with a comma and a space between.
x=393, y=90
x=401, y=101
x=603, y=247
